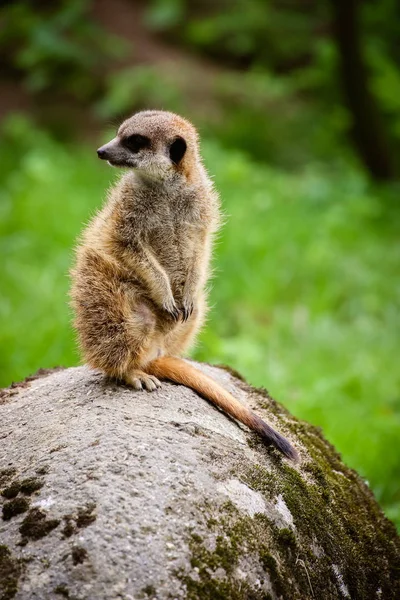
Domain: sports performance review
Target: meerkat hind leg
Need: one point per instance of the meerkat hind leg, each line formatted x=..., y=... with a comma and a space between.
x=145, y=340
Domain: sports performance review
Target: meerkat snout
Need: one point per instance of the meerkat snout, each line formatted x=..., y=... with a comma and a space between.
x=102, y=153
x=114, y=153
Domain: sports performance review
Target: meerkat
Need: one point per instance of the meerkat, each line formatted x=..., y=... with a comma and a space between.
x=142, y=264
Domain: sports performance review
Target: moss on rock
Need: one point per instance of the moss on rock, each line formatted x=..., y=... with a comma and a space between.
x=330, y=506
x=36, y=525
x=340, y=544
x=14, y=507
x=6, y=475
x=25, y=486
x=10, y=572
x=86, y=516
x=79, y=555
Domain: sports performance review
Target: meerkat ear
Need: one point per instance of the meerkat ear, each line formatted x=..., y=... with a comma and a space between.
x=177, y=150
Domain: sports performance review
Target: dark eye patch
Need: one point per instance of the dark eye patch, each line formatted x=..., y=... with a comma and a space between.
x=136, y=142
x=177, y=150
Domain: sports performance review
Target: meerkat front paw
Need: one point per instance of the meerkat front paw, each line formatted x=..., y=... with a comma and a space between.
x=171, y=308
x=140, y=380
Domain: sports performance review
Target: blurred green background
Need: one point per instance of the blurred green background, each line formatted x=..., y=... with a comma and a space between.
x=298, y=106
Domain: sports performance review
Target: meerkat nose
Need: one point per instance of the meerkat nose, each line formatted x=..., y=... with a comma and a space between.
x=102, y=153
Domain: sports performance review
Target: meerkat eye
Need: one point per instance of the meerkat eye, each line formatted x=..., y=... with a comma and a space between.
x=136, y=142
x=177, y=150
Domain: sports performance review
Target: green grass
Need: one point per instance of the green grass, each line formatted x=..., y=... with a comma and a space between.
x=305, y=297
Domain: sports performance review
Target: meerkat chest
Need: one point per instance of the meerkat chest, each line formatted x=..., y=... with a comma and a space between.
x=174, y=240
x=175, y=220
x=180, y=209
x=170, y=224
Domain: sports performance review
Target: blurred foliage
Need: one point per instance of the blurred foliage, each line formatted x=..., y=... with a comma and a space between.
x=55, y=45
x=282, y=59
x=244, y=32
x=305, y=298
x=131, y=88
x=292, y=41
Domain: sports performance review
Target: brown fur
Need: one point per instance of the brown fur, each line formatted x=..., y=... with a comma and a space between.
x=138, y=285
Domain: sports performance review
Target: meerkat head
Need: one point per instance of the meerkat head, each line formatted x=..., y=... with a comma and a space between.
x=155, y=143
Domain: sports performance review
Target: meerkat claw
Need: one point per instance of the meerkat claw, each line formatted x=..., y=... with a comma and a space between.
x=187, y=311
x=172, y=310
x=136, y=384
x=156, y=381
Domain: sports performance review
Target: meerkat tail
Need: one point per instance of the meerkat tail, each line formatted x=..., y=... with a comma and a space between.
x=179, y=371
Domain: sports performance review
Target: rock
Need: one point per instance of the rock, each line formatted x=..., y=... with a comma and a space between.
x=110, y=493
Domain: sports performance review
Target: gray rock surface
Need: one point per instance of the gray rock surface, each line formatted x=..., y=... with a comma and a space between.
x=110, y=493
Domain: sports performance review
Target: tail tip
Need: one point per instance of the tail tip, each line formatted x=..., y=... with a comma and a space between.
x=282, y=444
x=278, y=441
x=292, y=453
